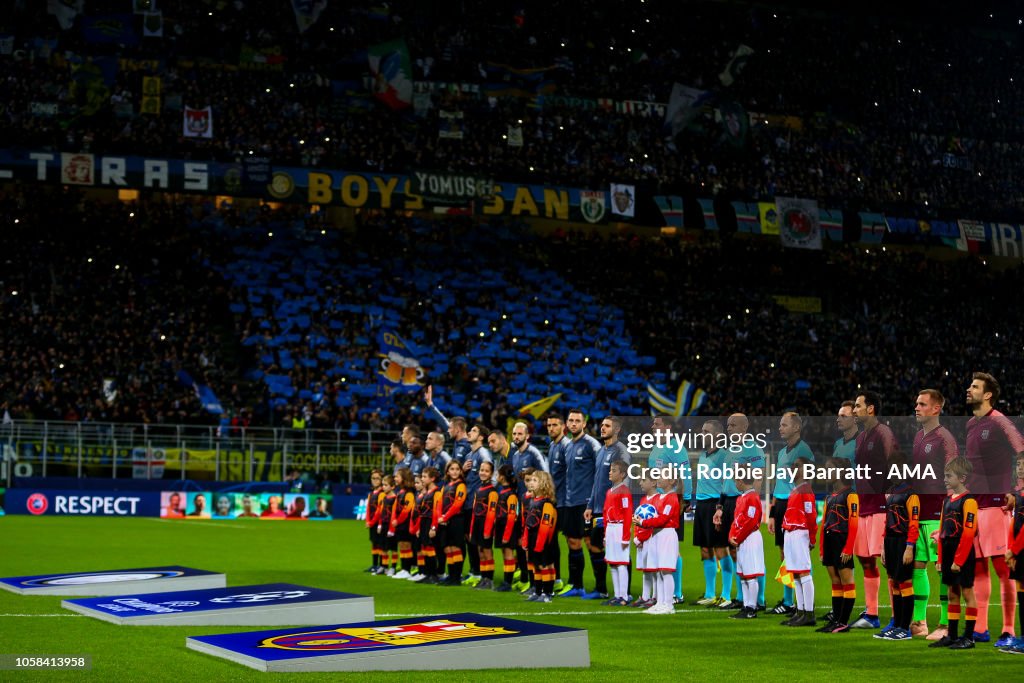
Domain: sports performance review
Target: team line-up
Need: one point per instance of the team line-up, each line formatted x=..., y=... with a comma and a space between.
x=506, y=496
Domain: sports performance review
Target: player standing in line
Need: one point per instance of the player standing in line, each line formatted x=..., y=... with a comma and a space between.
x=478, y=436
x=745, y=537
x=373, y=503
x=428, y=507
x=801, y=526
x=387, y=508
x=664, y=548
x=664, y=456
x=993, y=444
x=481, y=524
x=555, y=424
x=707, y=493
x=790, y=430
x=934, y=446
x=617, y=505
x=438, y=457
x=507, y=530
x=1015, y=553
x=902, y=522
x=875, y=445
x=611, y=451
x=414, y=530
x=581, y=466
x=748, y=455
x=405, y=505
x=839, y=527
x=456, y=427
x=540, y=522
x=522, y=456
x=956, y=562
x=646, y=560
x=451, y=524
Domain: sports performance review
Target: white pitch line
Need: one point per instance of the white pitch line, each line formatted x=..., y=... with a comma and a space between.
x=41, y=615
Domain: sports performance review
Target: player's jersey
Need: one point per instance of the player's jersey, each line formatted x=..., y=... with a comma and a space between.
x=959, y=525
x=618, y=509
x=874, y=446
x=747, y=518
x=507, y=519
x=801, y=511
x=520, y=460
x=842, y=517
x=902, y=513
x=387, y=509
x=751, y=456
x=605, y=457
x=480, y=455
x=787, y=456
x=452, y=500
x=641, y=532
x=934, y=448
x=556, y=463
x=539, y=522
x=580, y=469
x=423, y=510
x=485, y=509
x=708, y=487
x=993, y=443
x=846, y=449
x=373, y=503
x=405, y=504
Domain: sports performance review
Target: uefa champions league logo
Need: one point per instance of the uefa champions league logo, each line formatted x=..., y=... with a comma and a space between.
x=266, y=596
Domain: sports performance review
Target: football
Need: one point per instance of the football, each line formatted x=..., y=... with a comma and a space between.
x=645, y=511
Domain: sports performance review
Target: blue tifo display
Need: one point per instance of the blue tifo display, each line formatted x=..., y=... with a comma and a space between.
x=114, y=582
x=269, y=604
x=645, y=511
x=408, y=644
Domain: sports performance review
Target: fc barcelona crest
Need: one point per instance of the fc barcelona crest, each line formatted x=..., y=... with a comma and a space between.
x=349, y=638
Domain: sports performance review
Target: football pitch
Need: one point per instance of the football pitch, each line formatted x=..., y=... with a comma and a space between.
x=625, y=644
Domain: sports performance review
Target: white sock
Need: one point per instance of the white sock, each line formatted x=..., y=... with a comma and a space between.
x=615, y=581
x=623, y=572
x=798, y=594
x=648, y=586
x=665, y=585
x=750, y=593
x=807, y=588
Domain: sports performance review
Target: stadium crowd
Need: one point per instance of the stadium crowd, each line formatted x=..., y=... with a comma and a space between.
x=934, y=134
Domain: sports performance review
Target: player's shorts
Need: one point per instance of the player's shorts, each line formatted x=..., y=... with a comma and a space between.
x=390, y=543
x=750, y=557
x=476, y=536
x=542, y=558
x=681, y=531
x=403, y=535
x=796, y=545
x=454, y=532
x=597, y=534
x=615, y=551
x=375, y=538
x=563, y=514
x=993, y=529
x=663, y=551
x=778, y=512
x=728, y=513
x=927, y=548
x=832, y=551
x=513, y=540
x=641, y=555
x=869, y=536
x=963, y=578
x=894, y=547
x=573, y=525
x=705, y=535
x=425, y=541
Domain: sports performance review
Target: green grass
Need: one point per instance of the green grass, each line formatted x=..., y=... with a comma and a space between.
x=624, y=644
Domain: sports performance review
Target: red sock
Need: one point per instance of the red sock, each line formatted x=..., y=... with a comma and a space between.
x=982, y=591
x=872, y=584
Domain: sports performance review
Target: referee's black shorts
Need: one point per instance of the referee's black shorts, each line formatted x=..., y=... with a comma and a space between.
x=777, y=513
